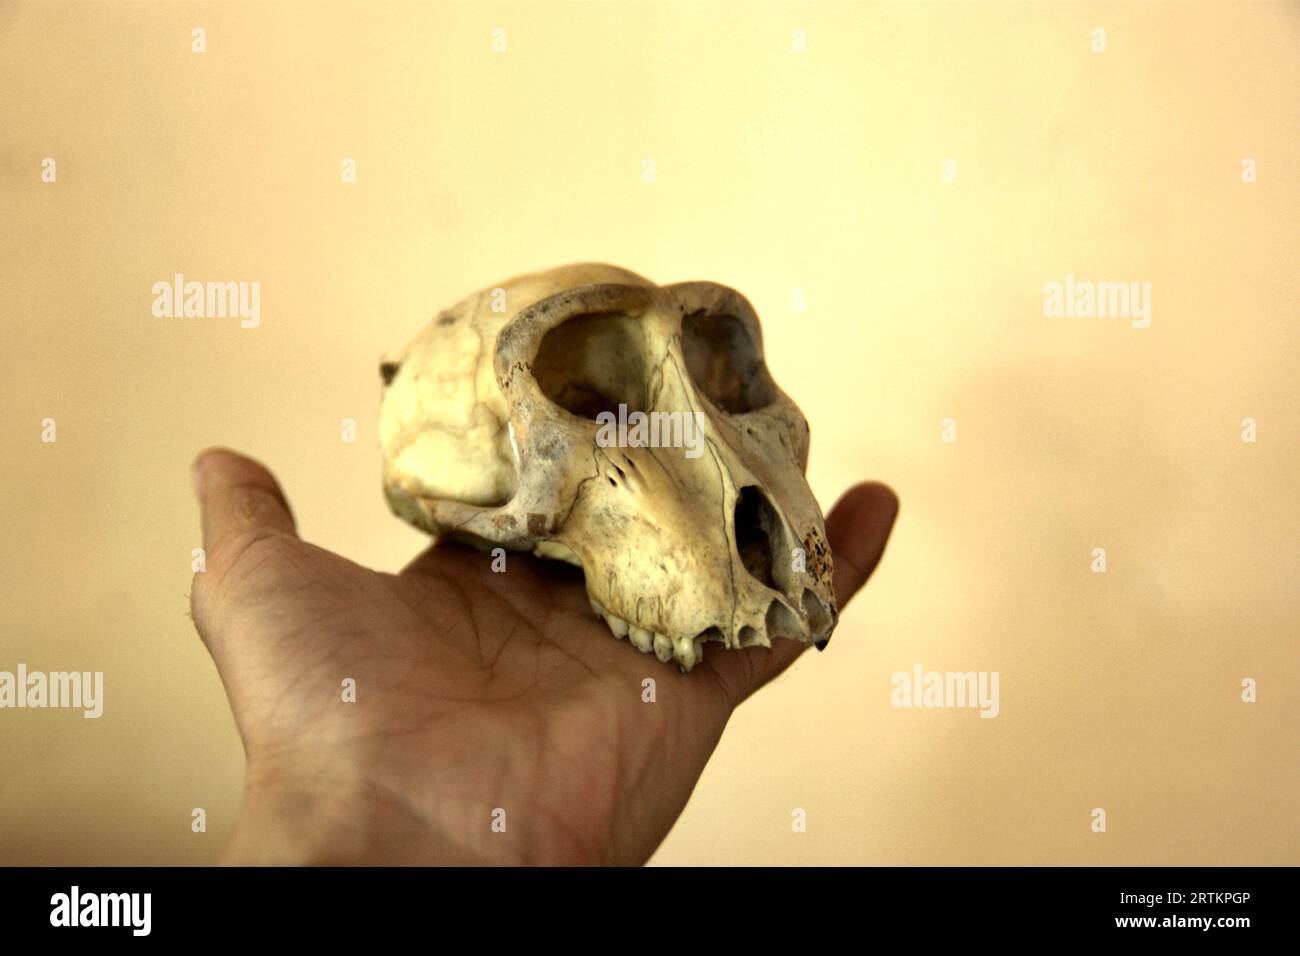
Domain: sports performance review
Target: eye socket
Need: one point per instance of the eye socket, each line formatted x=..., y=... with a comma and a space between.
x=593, y=363
x=725, y=363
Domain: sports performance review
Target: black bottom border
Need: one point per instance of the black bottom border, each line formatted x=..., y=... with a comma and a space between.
x=1173, y=905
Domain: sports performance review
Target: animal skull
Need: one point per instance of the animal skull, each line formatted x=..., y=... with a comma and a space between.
x=495, y=426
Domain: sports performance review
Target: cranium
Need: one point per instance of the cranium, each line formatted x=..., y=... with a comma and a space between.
x=495, y=426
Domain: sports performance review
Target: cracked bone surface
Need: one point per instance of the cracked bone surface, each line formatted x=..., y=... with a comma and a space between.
x=512, y=421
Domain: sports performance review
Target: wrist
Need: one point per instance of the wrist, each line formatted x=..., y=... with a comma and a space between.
x=285, y=823
x=322, y=817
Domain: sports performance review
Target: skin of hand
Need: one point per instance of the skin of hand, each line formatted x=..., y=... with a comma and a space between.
x=476, y=692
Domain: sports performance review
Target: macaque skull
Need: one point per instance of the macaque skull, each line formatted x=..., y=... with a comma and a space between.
x=588, y=415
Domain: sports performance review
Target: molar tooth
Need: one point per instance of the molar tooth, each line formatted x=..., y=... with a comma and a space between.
x=641, y=638
x=663, y=648
x=617, y=625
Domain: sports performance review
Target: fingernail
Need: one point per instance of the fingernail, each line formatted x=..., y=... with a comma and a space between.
x=196, y=476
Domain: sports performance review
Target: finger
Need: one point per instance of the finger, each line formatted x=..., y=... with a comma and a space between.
x=858, y=528
x=238, y=498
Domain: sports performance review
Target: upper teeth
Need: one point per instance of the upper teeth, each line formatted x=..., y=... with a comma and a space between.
x=686, y=651
x=643, y=639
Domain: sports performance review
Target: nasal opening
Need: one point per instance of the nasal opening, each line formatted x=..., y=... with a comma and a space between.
x=756, y=525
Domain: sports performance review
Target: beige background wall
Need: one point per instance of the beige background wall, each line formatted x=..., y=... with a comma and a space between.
x=775, y=171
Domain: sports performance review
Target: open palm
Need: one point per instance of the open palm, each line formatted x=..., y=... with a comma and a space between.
x=452, y=713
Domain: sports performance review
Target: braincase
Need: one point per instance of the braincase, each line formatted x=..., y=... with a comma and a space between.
x=443, y=403
x=437, y=410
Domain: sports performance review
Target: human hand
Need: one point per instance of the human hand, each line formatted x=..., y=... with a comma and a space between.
x=475, y=691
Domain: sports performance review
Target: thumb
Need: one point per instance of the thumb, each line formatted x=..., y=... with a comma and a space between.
x=239, y=502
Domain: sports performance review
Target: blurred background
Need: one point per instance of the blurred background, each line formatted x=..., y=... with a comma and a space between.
x=891, y=185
